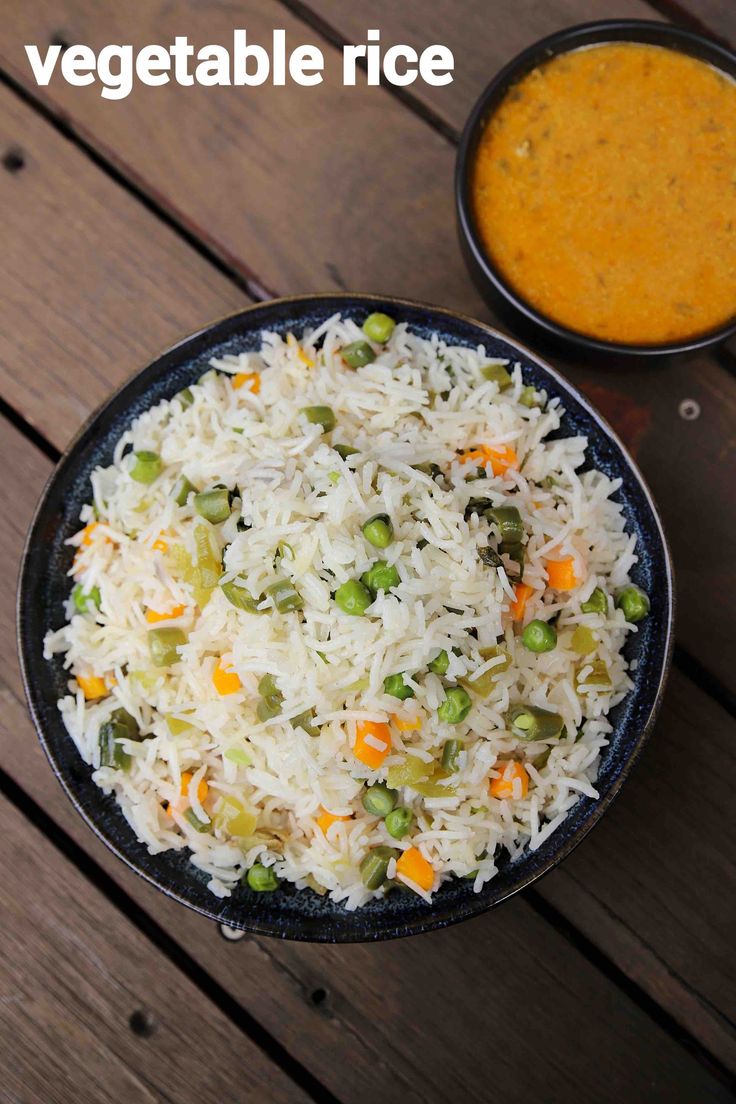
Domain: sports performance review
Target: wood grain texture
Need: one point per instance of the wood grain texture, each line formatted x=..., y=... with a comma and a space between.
x=382, y=1003
x=73, y=971
x=482, y=35
x=94, y=285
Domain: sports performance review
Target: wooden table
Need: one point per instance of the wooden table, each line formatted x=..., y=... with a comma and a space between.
x=127, y=225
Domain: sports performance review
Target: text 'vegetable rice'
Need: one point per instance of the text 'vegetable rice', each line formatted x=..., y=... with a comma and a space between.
x=207, y=765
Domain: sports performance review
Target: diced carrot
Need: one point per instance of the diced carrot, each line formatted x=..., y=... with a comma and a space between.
x=499, y=457
x=413, y=865
x=327, y=819
x=88, y=531
x=92, y=687
x=292, y=342
x=160, y=545
x=404, y=725
x=522, y=593
x=504, y=786
x=202, y=787
x=226, y=682
x=152, y=616
x=561, y=574
x=253, y=379
x=368, y=734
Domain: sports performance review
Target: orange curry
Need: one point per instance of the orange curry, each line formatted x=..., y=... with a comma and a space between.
x=605, y=192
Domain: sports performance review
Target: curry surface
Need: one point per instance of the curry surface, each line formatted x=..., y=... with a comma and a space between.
x=604, y=190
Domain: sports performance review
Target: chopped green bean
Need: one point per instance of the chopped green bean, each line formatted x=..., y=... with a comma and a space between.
x=530, y=722
x=583, y=641
x=83, y=599
x=498, y=374
x=268, y=708
x=598, y=676
x=539, y=636
x=196, y=823
x=285, y=596
x=379, y=531
x=483, y=685
x=408, y=773
x=528, y=397
x=267, y=687
x=399, y=821
x=489, y=556
x=379, y=800
x=378, y=327
x=597, y=603
x=238, y=596
x=397, y=688
x=214, y=505
x=380, y=576
x=456, y=706
x=374, y=866
x=164, y=645
x=357, y=354
x=182, y=490
x=261, y=878
x=320, y=415
x=508, y=521
x=345, y=450
x=305, y=721
x=112, y=753
x=450, y=754
x=122, y=717
x=634, y=602
x=147, y=466
x=185, y=397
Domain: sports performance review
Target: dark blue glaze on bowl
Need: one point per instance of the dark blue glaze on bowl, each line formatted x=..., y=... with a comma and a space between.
x=44, y=585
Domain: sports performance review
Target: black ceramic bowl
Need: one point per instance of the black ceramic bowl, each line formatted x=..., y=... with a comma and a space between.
x=44, y=585
x=491, y=283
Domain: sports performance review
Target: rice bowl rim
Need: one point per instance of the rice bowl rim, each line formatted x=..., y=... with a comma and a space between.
x=359, y=925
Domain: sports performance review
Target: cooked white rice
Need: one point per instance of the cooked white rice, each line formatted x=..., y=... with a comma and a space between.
x=419, y=401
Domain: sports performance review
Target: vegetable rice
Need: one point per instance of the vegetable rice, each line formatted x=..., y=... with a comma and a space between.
x=345, y=615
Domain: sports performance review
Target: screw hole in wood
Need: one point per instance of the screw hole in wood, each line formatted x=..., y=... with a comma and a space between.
x=318, y=996
x=13, y=160
x=142, y=1023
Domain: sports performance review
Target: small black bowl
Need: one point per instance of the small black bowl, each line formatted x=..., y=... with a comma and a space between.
x=44, y=585
x=489, y=280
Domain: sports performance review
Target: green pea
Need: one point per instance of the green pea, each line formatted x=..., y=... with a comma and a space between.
x=374, y=867
x=84, y=598
x=397, y=688
x=379, y=800
x=597, y=603
x=164, y=645
x=262, y=878
x=353, y=598
x=450, y=754
x=357, y=354
x=634, y=602
x=379, y=531
x=182, y=490
x=320, y=415
x=214, y=505
x=440, y=663
x=285, y=596
x=380, y=576
x=378, y=327
x=456, y=705
x=539, y=636
x=345, y=450
x=399, y=821
x=147, y=466
x=498, y=374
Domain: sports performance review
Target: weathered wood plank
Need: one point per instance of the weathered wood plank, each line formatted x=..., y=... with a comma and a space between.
x=74, y=971
x=93, y=283
x=382, y=1004
x=383, y=221
x=482, y=36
